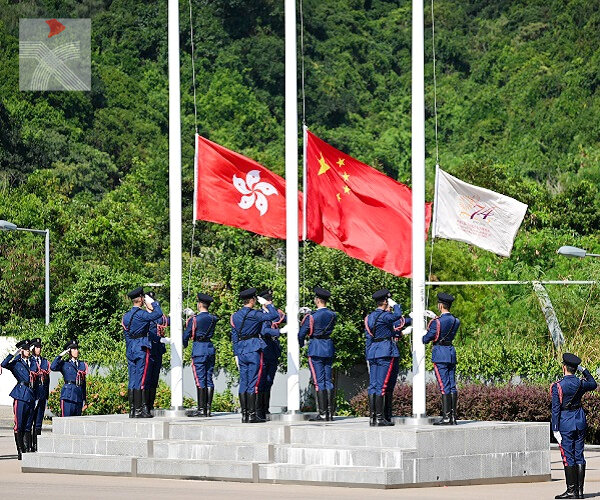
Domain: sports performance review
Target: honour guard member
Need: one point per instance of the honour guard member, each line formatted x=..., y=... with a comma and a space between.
x=441, y=332
x=41, y=389
x=569, y=423
x=246, y=325
x=200, y=329
x=74, y=371
x=317, y=326
x=382, y=355
x=136, y=328
x=156, y=334
x=22, y=393
x=270, y=334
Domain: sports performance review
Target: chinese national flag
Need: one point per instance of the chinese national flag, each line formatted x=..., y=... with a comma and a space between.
x=236, y=191
x=359, y=210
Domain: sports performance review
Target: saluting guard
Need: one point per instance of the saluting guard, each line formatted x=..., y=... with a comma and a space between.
x=569, y=423
x=41, y=389
x=382, y=355
x=22, y=393
x=441, y=332
x=248, y=346
x=200, y=329
x=270, y=333
x=136, y=328
x=317, y=327
x=156, y=334
x=74, y=371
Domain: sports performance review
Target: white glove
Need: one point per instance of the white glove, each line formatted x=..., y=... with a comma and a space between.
x=558, y=437
x=580, y=368
x=392, y=302
x=407, y=330
x=262, y=301
x=237, y=362
x=148, y=300
x=165, y=340
x=429, y=314
x=283, y=329
x=188, y=312
x=66, y=351
x=304, y=310
x=410, y=314
x=17, y=352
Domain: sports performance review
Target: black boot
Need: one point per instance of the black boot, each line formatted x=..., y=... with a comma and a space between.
x=131, y=403
x=253, y=403
x=571, y=479
x=27, y=442
x=580, y=479
x=34, y=436
x=372, y=419
x=210, y=392
x=380, y=420
x=446, y=405
x=244, y=407
x=198, y=412
x=260, y=406
x=145, y=413
x=330, y=404
x=202, y=397
x=137, y=403
x=268, y=401
x=19, y=448
x=453, y=398
x=151, y=398
x=321, y=408
x=387, y=407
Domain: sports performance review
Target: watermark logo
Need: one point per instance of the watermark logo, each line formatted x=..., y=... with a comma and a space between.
x=54, y=54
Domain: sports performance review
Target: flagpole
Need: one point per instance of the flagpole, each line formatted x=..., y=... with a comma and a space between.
x=291, y=194
x=418, y=209
x=176, y=287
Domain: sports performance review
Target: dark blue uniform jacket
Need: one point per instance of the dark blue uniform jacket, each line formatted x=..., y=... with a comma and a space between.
x=156, y=331
x=246, y=325
x=136, y=328
x=440, y=331
x=200, y=329
x=41, y=384
x=567, y=413
x=74, y=375
x=270, y=334
x=317, y=326
x=21, y=370
x=379, y=333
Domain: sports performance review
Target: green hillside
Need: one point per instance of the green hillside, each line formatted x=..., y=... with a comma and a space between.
x=518, y=108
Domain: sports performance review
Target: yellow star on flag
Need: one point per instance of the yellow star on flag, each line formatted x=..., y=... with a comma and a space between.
x=323, y=164
x=346, y=176
x=339, y=198
x=340, y=162
x=346, y=189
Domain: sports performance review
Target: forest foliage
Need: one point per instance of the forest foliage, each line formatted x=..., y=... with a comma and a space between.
x=518, y=105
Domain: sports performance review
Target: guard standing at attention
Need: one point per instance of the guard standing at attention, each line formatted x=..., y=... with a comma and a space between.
x=18, y=365
x=568, y=422
x=74, y=371
x=200, y=329
x=317, y=326
x=136, y=327
x=246, y=325
x=156, y=334
x=382, y=355
x=41, y=389
x=270, y=334
x=441, y=332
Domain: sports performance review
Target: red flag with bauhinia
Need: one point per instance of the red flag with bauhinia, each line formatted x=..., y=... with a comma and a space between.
x=236, y=191
x=357, y=209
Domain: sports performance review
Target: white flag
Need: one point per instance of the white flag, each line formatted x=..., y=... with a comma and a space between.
x=475, y=215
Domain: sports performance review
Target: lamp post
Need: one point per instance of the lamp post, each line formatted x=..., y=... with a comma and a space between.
x=9, y=226
x=573, y=252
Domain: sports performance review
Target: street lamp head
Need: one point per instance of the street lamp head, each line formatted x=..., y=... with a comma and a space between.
x=7, y=226
x=568, y=251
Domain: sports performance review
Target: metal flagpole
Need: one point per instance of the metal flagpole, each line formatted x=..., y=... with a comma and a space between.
x=176, y=297
x=291, y=194
x=418, y=210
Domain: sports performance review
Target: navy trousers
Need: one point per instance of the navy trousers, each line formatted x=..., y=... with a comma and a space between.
x=23, y=411
x=251, y=371
x=445, y=373
x=154, y=371
x=70, y=408
x=139, y=370
x=571, y=448
x=320, y=368
x=203, y=367
x=383, y=373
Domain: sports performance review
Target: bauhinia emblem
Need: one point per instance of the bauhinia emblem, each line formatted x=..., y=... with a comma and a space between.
x=255, y=192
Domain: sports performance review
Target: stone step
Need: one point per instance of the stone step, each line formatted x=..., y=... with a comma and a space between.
x=95, y=445
x=342, y=456
x=110, y=425
x=215, y=431
x=354, y=436
x=69, y=463
x=219, y=470
x=333, y=475
x=194, y=450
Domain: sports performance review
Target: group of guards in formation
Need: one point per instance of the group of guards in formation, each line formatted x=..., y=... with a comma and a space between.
x=255, y=336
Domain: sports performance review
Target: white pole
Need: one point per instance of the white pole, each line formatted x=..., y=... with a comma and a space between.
x=418, y=209
x=291, y=194
x=47, y=277
x=176, y=295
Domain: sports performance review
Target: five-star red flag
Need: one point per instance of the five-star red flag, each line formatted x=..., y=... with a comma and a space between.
x=357, y=209
x=236, y=191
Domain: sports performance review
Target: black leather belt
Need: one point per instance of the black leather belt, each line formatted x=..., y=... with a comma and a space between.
x=574, y=407
x=321, y=337
x=138, y=336
x=443, y=342
x=202, y=341
x=26, y=384
x=381, y=339
x=70, y=383
x=255, y=336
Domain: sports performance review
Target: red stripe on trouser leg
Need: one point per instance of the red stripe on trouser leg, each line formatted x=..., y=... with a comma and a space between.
x=195, y=374
x=15, y=410
x=260, y=370
x=146, y=363
x=314, y=374
x=62, y=407
x=439, y=378
x=387, y=377
x=562, y=454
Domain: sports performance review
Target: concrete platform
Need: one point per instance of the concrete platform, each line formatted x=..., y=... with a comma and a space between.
x=346, y=452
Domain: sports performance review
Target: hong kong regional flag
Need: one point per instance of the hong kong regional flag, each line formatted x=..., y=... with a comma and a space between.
x=359, y=210
x=236, y=191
